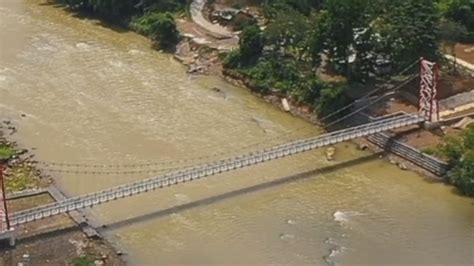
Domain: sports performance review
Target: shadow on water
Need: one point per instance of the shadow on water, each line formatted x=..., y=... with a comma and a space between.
x=236, y=193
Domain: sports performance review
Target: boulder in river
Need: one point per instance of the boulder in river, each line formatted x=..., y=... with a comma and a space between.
x=330, y=153
x=402, y=166
x=286, y=105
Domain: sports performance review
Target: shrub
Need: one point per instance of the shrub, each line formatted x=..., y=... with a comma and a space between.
x=6, y=151
x=460, y=154
x=240, y=22
x=161, y=27
x=332, y=99
x=463, y=176
x=83, y=261
x=251, y=44
x=232, y=60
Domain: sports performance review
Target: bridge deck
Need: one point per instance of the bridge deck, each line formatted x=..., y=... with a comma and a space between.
x=193, y=173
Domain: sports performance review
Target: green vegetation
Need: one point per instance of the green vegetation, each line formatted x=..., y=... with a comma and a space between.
x=458, y=20
x=347, y=37
x=83, y=261
x=21, y=177
x=6, y=151
x=459, y=151
x=160, y=27
x=153, y=18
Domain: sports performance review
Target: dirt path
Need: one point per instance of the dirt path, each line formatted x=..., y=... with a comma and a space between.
x=215, y=30
x=201, y=36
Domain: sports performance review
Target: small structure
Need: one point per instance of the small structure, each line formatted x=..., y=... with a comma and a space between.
x=231, y=16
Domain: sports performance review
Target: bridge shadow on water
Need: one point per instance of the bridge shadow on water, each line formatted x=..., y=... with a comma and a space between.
x=235, y=193
x=203, y=202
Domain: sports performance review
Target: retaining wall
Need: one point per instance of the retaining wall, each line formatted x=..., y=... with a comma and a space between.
x=411, y=154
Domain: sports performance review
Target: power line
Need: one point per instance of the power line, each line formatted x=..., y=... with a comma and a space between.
x=321, y=120
x=48, y=166
x=369, y=104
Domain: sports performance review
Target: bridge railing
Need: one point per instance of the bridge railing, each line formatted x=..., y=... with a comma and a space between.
x=200, y=171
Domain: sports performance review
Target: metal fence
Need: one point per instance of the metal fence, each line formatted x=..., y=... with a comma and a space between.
x=409, y=153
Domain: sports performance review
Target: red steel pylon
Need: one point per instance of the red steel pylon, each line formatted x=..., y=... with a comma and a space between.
x=429, y=80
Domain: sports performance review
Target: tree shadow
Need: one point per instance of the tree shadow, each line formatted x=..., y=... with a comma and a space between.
x=114, y=24
x=235, y=193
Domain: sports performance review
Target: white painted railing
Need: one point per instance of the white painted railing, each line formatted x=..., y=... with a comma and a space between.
x=213, y=168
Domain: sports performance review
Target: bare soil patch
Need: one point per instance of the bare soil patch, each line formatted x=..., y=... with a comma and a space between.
x=465, y=52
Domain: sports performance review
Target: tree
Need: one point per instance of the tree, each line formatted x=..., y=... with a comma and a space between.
x=317, y=36
x=332, y=98
x=107, y=8
x=411, y=30
x=272, y=7
x=452, y=148
x=251, y=44
x=461, y=11
x=287, y=31
x=452, y=32
x=161, y=27
x=460, y=154
x=463, y=176
x=341, y=19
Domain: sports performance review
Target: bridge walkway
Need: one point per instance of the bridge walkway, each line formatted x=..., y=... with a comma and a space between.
x=213, y=168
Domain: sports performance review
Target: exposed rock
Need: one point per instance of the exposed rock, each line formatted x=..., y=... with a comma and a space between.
x=330, y=153
x=392, y=161
x=286, y=105
x=284, y=236
x=305, y=109
x=402, y=166
x=197, y=69
x=22, y=151
x=363, y=146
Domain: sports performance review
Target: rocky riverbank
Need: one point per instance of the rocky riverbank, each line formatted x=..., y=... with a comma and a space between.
x=53, y=241
x=205, y=57
x=307, y=113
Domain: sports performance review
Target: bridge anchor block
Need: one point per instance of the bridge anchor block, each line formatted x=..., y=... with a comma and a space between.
x=8, y=235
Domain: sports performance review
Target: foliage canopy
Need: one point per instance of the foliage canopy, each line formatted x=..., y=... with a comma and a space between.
x=460, y=153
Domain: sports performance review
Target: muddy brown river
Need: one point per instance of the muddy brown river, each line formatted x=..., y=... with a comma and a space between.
x=92, y=94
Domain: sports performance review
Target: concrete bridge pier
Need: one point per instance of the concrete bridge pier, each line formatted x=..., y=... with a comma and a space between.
x=9, y=237
x=431, y=125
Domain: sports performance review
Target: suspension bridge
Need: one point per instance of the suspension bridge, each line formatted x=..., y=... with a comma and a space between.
x=188, y=174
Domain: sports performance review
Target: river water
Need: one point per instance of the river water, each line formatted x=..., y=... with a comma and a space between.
x=92, y=94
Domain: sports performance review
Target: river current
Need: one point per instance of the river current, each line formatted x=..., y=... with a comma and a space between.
x=82, y=92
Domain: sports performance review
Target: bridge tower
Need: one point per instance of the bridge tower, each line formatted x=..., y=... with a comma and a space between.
x=428, y=100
